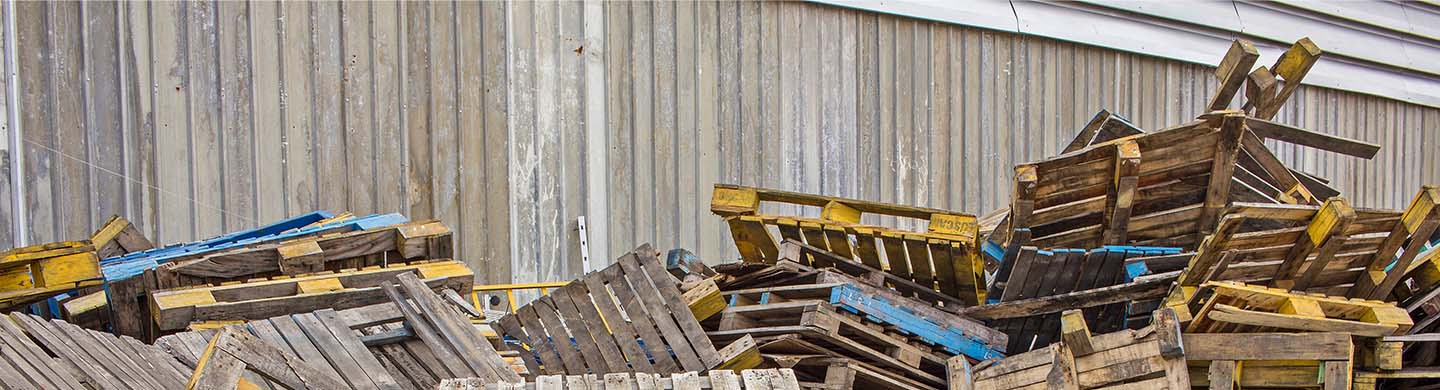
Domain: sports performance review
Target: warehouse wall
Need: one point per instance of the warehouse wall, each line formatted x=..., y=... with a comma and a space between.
x=509, y=120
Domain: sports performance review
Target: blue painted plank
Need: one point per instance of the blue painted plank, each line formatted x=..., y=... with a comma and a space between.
x=851, y=299
x=132, y=264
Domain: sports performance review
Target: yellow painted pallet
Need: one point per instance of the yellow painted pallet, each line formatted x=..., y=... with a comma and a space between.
x=1231, y=307
x=944, y=257
x=1332, y=249
x=38, y=272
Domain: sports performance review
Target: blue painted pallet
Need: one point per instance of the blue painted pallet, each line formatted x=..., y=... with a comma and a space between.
x=1133, y=270
x=852, y=299
x=132, y=264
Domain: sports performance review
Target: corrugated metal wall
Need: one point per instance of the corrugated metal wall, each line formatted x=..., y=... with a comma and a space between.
x=509, y=120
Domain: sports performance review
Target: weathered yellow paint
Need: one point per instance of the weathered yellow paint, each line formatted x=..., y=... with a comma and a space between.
x=299, y=249
x=836, y=211
x=1302, y=307
x=734, y=201
x=65, y=269
x=182, y=298
x=965, y=226
x=1420, y=208
x=319, y=286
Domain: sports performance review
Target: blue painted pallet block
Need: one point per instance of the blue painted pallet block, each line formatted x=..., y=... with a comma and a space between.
x=876, y=309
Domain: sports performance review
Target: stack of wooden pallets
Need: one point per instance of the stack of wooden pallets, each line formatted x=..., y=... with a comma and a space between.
x=414, y=341
x=768, y=379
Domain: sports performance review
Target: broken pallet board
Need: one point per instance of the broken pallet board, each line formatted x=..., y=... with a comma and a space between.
x=176, y=309
x=1232, y=307
x=38, y=272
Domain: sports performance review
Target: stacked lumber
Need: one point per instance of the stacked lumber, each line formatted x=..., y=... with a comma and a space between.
x=769, y=379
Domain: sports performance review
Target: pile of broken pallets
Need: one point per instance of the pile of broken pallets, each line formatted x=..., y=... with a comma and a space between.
x=1184, y=257
x=1196, y=257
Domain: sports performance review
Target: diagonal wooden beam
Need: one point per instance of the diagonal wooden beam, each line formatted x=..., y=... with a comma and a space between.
x=1416, y=225
x=1332, y=219
x=1121, y=196
x=1222, y=169
x=1289, y=134
x=1292, y=68
x=1232, y=70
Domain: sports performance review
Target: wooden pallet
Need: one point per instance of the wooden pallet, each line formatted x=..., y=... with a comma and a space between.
x=1036, y=274
x=38, y=272
x=1270, y=360
x=174, y=310
x=834, y=330
x=130, y=278
x=937, y=329
x=1231, y=307
x=390, y=244
x=1116, y=184
x=1419, y=290
x=1332, y=248
x=1152, y=357
x=579, y=329
x=755, y=379
x=118, y=237
x=384, y=345
x=53, y=354
x=944, y=257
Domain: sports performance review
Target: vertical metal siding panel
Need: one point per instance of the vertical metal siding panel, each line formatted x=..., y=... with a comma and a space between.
x=268, y=148
x=105, y=137
x=886, y=47
x=849, y=168
x=36, y=120
x=72, y=187
x=904, y=113
x=470, y=84
x=571, y=175
x=919, y=169
x=168, y=65
x=792, y=138
x=417, y=109
x=867, y=108
x=690, y=204
x=237, y=137
x=747, y=62
x=140, y=119
x=494, y=230
x=960, y=184
x=829, y=99
x=619, y=103
x=770, y=133
x=359, y=105
x=387, y=20
x=443, y=120
x=201, y=45
x=8, y=182
x=642, y=149
x=810, y=68
x=940, y=128
x=663, y=188
x=526, y=265
x=544, y=159
x=330, y=135
x=974, y=172
x=714, y=242
x=296, y=60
